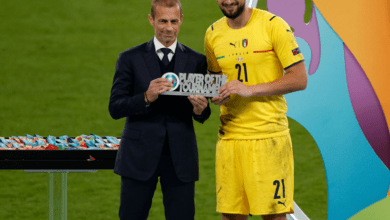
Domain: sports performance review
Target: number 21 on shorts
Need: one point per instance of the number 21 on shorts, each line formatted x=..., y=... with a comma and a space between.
x=277, y=183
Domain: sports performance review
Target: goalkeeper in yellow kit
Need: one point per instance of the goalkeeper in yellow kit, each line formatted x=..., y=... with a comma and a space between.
x=254, y=160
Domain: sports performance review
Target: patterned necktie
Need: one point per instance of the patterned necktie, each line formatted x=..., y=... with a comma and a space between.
x=166, y=51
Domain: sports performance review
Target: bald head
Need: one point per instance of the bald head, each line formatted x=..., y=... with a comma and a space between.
x=164, y=3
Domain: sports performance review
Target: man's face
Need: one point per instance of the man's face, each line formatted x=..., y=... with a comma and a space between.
x=231, y=8
x=166, y=23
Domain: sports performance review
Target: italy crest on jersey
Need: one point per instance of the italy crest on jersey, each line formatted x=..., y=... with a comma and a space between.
x=245, y=42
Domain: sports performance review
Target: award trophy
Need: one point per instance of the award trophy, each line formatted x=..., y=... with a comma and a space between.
x=187, y=84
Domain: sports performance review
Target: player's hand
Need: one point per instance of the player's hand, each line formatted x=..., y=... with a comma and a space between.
x=235, y=87
x=156, y=87
x=217, y=100
x=199, y=102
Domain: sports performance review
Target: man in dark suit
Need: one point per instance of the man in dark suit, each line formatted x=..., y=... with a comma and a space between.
x=158, y=139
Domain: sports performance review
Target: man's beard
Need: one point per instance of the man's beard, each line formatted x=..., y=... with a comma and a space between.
x=239, y=11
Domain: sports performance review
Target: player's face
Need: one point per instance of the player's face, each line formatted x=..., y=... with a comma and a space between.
x=232, y=8
x=166, y=23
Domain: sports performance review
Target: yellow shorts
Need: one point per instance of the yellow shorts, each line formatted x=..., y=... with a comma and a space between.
x=255, y=176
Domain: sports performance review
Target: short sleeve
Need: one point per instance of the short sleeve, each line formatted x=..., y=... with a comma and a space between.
x=212, y=63
x=284, y=43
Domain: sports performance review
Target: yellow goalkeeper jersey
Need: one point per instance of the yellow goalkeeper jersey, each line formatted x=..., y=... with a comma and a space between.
x=256, y=53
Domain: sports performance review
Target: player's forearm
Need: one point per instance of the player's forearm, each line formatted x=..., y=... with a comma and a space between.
x=286, y=84
x=294, y=80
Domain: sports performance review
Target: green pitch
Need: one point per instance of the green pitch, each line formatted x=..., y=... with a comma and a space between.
x=57, y=60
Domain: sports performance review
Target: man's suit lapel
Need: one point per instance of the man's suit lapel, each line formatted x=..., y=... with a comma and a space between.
x=151, y=60
x=180, y=58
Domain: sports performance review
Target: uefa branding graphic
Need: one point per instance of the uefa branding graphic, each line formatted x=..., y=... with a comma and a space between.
x=194, y=84
x=173, y=78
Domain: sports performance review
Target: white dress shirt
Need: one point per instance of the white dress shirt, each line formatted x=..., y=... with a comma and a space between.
x=158, y=46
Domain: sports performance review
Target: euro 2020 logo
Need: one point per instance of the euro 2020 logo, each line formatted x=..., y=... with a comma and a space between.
x=194, y=84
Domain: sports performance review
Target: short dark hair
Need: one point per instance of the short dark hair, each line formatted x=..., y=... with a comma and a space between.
x=164, y=3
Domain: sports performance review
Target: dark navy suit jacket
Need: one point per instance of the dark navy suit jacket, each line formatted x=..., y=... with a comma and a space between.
x=147, y=128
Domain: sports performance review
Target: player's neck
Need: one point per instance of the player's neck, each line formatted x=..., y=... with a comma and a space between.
x=241, y=20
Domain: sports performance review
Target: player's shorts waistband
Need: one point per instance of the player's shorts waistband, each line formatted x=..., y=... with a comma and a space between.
x=230, y=135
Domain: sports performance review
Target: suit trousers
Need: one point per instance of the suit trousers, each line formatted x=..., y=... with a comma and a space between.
x=178, y=197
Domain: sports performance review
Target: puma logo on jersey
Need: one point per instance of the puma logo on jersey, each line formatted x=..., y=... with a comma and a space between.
x=233, y=45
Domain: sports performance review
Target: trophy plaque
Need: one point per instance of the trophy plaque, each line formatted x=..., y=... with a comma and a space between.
x=187, y=84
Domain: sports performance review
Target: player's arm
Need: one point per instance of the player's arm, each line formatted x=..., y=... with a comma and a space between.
x=288, y=53
x=212, y=65
x=295, y=79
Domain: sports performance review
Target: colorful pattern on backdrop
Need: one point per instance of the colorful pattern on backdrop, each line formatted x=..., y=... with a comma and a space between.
x=340, y=109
